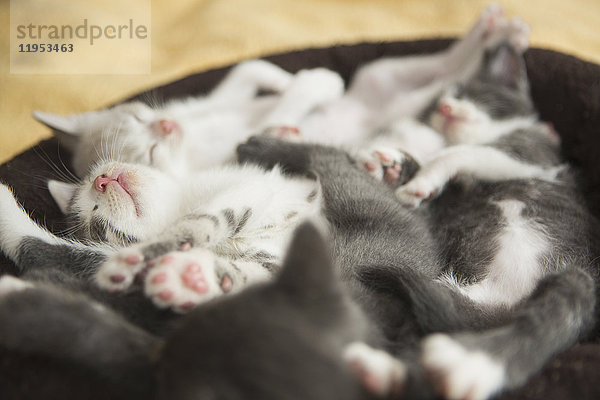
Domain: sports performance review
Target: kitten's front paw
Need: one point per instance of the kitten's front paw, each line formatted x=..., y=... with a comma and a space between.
x=119, y=271
x=416, y=191
x=459, y=373
x=182, y=280
x=392, y=166
x=378, y=371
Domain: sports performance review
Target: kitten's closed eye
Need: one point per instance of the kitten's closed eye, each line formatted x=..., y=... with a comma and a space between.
x=152, y=148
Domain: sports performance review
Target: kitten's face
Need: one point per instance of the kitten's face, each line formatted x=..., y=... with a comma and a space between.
x=496, y=99
x=473, y=113
x=459, y=119
x=130, y=132
x=119, y=203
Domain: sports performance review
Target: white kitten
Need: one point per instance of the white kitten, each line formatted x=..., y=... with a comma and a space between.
x=197, y=132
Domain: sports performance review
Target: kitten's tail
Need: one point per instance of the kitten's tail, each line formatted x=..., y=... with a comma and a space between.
x=437, y=307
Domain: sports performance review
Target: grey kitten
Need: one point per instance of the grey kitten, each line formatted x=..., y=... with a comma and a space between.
x=278, y=340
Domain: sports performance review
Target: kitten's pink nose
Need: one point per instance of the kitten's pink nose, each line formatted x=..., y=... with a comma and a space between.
x=445, y=109
x=167, y=126
x=101, y=182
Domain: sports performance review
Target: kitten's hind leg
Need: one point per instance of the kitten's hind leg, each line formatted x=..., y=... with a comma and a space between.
x=182, y=280
x=245, y=80
x=472, y=44
x=310, y=89
x=479, y=364
x=120, y=271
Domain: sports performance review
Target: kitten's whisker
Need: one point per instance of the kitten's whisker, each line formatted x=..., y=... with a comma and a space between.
x=65, y=174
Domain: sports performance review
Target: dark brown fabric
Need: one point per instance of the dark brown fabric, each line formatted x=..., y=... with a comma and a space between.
x=565, y=89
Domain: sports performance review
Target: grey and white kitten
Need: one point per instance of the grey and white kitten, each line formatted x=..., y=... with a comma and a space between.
x=216, y=232
x=516, y=232
x=199, y=132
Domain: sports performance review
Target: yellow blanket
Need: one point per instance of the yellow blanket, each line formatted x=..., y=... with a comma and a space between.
x=190, y=36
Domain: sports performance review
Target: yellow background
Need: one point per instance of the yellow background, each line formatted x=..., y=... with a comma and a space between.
x=190, y=36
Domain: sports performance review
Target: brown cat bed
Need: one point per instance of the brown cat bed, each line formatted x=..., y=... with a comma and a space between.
x=565, y=89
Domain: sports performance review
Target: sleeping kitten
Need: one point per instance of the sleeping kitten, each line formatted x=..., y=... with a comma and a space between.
x=197, y=132
x=516, y=231
x=202, y=132
x=214, y=233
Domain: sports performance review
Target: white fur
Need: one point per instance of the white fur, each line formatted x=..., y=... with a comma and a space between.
x=15, y=225
x=459, y=373
x=158, y=199
x=381, y=373
x=515, y=270
x=10, y=284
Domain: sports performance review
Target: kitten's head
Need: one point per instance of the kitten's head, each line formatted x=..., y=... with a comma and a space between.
x=129, y=132
x=275, y=341
x=118, y=203
x=492, y=103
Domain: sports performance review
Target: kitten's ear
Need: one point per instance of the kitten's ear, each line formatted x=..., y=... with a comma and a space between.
x=67, y=129
x=307, y=268
x=62, y=193
x=506, y=65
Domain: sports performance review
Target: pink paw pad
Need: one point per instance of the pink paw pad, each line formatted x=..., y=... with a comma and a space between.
x=159, y=278
x=368, y=380
x=226, y=284
x=167, y=260
x=286, y=132
x=133, y=259
x=370, y=166
x=117, y=278
x=193, y=278
x=187, y=306
x=392, y=174
x=386, y=158
x=166, y=295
